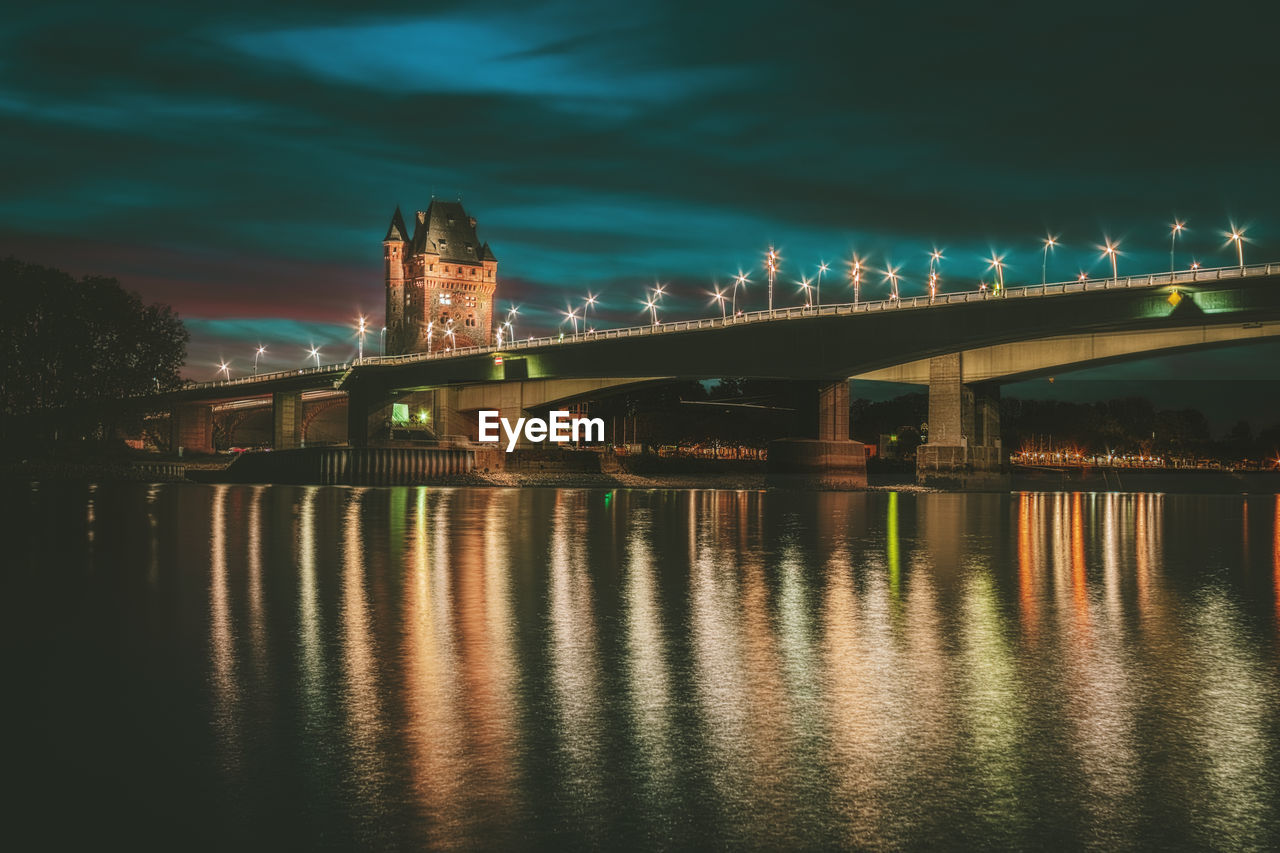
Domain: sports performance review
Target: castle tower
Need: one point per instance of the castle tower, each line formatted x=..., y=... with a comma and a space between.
x=394, y=250
x=440, y=295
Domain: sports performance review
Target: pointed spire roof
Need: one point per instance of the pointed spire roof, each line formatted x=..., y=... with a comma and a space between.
x=486, y=254
x=397, y=231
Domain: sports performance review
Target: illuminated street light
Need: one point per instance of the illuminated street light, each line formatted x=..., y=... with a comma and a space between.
x=590, y=303
x=997, y=263
x=431, y=329
x=771, y=263
x=855, y=275
x=652, y=305
x=892, y=274
x=225, y=369
x=1178, y=226
x=822, y=267
x=382, y=342
x=805, y=286
x=1109, y=250
x=1237, y=237
x=935, y=257
x=719, y=297
x=1083, y=276
x=448, y=333
x=361, y=332
x=1195, y=265
x=512, y=313
x=1049, y=242
x=740, y=280
x=572, y=315
x=256, y=354
x=314, y=352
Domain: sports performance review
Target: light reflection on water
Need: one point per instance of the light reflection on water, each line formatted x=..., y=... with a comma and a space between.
x=454, y=667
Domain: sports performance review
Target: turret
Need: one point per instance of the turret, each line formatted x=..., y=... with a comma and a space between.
x=394, y=250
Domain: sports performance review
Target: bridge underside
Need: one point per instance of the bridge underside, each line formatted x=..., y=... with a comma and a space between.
x=1013, y=362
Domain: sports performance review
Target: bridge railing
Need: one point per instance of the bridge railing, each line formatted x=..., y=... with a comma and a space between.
x=796, y=312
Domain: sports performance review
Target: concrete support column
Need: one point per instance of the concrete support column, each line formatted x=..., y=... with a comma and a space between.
x=359, y=404
x=191, y=428
x=964, y=431
x=950, y=403
x=833, y=411
x=286, y=420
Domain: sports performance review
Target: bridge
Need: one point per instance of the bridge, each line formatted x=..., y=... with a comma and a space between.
x=961, y=345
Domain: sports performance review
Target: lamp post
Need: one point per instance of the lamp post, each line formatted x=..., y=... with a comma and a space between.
x=572, y=315
x=652, y=305
x=256, y=354
x=1109, y=250
x=1178, y=225
x=448, y=334
x=719, y=297
x=512, y=313
x=822, y=267
x=935, y=257
x=1049, y=242
x=1237, y=237
x=1084, y=276
x=855, y=273
x=224, y=368
x=382, y=342
x=805, y=285
x=997, y=263
x=740, y=280
x=314, y=352
x=771, y=263
x=431, y=327
x=892, y=275
x=590, y=303
x=361, y=332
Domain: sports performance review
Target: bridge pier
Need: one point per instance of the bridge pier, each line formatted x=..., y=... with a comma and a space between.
x=831, y=461
x=286, y=420
x=964, y=449
x=191, y=428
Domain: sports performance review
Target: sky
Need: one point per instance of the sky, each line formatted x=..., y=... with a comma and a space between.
x=241, y=161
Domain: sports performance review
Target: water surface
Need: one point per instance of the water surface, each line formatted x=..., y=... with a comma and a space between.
x=216, y=665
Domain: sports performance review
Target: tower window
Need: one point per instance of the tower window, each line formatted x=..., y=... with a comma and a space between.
x=446, y=299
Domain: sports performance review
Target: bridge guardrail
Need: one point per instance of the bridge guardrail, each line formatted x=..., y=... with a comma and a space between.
x=778, y=314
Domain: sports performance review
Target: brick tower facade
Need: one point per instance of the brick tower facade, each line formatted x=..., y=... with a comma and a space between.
x=440, y=282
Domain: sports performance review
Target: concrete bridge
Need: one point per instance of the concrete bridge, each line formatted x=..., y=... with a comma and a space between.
x=962, y=345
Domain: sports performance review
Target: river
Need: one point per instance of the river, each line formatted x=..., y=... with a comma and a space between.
x=331, y=667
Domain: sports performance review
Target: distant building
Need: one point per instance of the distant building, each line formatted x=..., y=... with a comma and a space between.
x=441, y=280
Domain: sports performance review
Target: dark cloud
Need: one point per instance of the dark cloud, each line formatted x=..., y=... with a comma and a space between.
x=241, y=161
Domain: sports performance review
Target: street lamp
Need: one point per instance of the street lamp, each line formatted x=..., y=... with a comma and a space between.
x=361, y=332
x=256, y=354
x=719, y=297
x=1049, y=242
x=448, y=333
x=652, y=305
x=431, y=329
x=1110, y=250
x=997, y=263
x=382, y=342
x=590, y=303
x=822, y=267
x=314, y=352
x=224, y=368
x=572, y=314
x=1178, y=225
x=740, y=280
x=892, y=274
x=855, y=274
x=771, y=263
x=805, y=285
x=935, y=257
x=512, y=312
x=1083, y=276
x=1237, y=237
